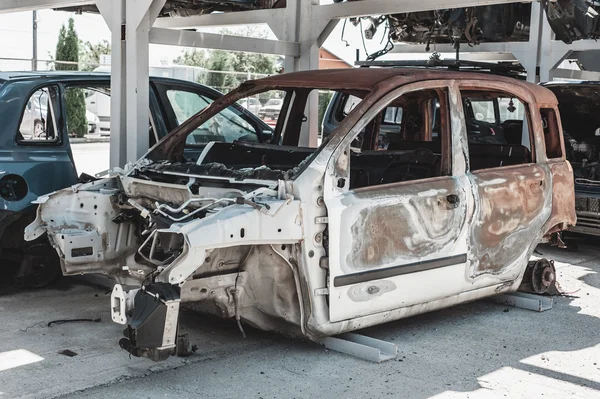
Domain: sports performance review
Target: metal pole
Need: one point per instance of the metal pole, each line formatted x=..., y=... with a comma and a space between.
x=34, y=60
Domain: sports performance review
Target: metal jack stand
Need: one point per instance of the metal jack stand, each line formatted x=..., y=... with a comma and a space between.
x=366, y=348
x=537, y=303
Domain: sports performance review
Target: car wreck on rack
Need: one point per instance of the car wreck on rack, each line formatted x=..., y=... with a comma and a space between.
x=579, y=103
x=315, y=242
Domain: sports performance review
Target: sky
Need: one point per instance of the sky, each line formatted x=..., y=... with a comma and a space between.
x=16, y=38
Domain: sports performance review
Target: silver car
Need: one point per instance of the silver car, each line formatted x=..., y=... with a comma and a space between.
x=33, y=123
x=251, y=104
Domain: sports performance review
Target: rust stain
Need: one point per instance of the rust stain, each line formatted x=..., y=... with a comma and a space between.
x=563, y=198
x=409, y=226
x=511, y=210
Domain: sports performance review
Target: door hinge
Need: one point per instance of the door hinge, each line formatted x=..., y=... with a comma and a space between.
x=321, y=291
x=322, y=220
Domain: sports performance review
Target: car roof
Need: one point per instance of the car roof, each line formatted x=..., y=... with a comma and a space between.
x=365, y=79
x=17, y=75
x=81, y=76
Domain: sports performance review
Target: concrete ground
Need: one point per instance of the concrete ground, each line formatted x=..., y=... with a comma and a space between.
x=476, y=350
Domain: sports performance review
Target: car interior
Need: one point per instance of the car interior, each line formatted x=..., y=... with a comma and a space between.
x=408, y=140
x=408, y=145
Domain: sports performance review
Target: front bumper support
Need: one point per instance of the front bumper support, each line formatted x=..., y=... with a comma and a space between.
x=152, y=329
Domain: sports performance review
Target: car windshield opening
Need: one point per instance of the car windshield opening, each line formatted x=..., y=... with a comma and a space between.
x=262, y=136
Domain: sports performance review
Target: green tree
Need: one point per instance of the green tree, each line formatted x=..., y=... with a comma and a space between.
x=67, y=49
x=324, y=99
x=197, y=58
x=89, y=54
x=220, y=60
x=224, y=61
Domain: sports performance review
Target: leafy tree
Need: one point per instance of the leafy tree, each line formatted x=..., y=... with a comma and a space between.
x=324, y=99
x=67, y=49
x=220, y=60
x=196, y=58
x=89, y=54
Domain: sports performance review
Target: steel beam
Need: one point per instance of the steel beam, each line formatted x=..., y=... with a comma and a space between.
x=505, y=47
x=113, y=12
x=576, y=74
x=223, y=19
x=138, y=23
x=129, y=22
x=366, y=348
x=184, y=38
x=7, y=6
x=537, y=303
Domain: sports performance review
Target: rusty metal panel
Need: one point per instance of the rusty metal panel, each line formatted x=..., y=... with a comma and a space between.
x=392, y=228
x=513, y=205
x=563, y=197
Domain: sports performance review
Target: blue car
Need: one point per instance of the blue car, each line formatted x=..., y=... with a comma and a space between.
x=36, y=156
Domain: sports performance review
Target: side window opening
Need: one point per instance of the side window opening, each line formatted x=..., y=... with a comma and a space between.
x=349, y=104
x=229, y=126
x=498, y=130
x=551, y=133
x=39, y=118
x=407, y=141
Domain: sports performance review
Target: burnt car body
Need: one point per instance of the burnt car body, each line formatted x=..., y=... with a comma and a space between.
x=33, y=164
x=579, y=104
x=317, y=242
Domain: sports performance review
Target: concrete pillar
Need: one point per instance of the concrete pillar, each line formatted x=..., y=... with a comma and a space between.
x=302, y=25
x=113, y=12
x=130, y=22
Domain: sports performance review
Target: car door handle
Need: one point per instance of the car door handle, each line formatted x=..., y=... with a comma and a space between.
x=449, y=202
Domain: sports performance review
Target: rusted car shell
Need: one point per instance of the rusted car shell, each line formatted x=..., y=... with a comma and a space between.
x=491, y=251
x=482, y=242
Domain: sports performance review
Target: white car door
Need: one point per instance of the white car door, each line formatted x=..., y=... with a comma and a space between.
x=398, y=237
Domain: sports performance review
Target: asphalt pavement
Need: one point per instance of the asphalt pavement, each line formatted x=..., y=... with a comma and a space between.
x=476, y=350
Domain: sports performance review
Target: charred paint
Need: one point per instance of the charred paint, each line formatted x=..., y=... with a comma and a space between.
x=563, y=198
x=510, y=212
x=371, y=290
x=413, y=221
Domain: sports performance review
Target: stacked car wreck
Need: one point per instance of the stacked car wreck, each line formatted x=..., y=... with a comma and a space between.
x=316, y=242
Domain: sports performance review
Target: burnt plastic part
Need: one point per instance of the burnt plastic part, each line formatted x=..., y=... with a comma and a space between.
x=85, y=178
x=145, y=333
x=539, y=278
x=125, y=215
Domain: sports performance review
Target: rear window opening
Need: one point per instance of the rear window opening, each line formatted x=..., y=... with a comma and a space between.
x=498, y=130
x=404, y=142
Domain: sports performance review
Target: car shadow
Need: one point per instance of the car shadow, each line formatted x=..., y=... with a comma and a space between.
x=493, y=337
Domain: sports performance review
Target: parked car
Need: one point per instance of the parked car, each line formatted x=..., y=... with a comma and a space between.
x=319, y=241
x=98, y=103
x=579, y=104
x=93, y=122
x=33, y=121
x=36, y=156
x=251, y=104
x=271, y=109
